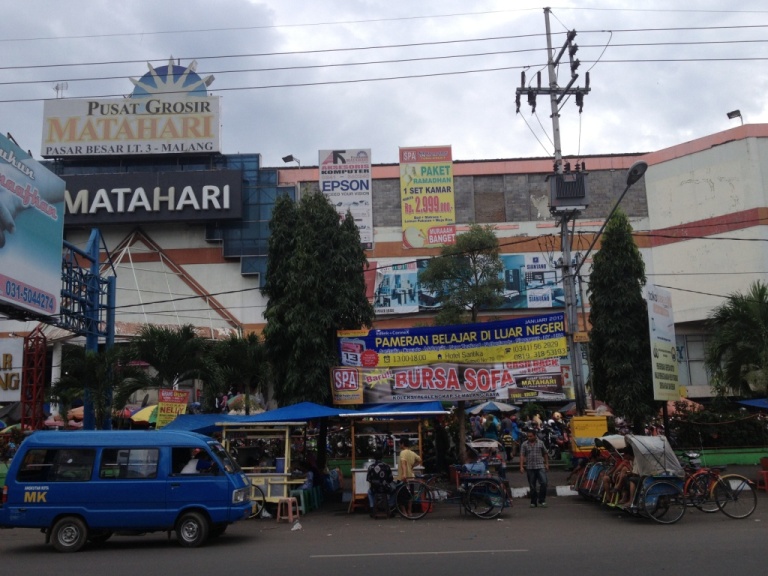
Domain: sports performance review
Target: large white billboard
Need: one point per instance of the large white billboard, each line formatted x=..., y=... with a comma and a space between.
x=345, y=179
x=31, y=232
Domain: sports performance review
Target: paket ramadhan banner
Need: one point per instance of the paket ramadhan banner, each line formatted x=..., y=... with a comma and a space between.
x=444, y=382
x=427, y=197
x=515, y=340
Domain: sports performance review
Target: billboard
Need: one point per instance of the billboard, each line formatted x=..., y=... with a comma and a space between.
x=447, y=382
x=168, y=112
x=515, y=340
x=143, y=197
x=31, y=232
x=170, y=404
x=427, y=197
x=661, y=324
x=11, y=363
x=345, y=179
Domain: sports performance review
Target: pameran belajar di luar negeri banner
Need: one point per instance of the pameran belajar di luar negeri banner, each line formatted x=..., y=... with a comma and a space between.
x=460, y=362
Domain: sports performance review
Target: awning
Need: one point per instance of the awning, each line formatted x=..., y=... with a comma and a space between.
x=398, y=409
x=761, y=403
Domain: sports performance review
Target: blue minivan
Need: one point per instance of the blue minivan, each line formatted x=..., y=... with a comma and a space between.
x=84, y=486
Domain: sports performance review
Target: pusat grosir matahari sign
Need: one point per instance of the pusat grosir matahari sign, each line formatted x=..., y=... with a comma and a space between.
x=168, y=112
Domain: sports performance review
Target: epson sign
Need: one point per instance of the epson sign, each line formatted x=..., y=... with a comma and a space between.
x=153, y=197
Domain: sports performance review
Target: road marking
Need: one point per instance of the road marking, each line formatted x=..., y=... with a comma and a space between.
x=441, y=552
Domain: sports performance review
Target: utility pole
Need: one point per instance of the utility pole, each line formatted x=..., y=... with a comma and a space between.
x=568, y=190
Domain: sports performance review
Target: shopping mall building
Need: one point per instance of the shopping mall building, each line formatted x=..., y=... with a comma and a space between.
x=186, y=226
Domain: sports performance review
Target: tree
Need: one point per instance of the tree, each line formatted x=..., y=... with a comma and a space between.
x=240, y=363
x=105, y=375
x=316, y=286
x=620, y=349
x=176, y=354
x=737, y=352
x=465, y=277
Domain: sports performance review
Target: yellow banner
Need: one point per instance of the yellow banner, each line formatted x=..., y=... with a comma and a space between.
x=427, y=197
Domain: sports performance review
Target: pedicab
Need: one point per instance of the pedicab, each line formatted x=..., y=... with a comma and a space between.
x=658, y=485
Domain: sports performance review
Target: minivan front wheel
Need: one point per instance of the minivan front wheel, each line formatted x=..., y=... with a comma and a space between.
x=69, y=534
x=192, y=529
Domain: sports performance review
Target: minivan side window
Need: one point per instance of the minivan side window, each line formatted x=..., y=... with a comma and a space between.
x=57, y=465
x=129, y=463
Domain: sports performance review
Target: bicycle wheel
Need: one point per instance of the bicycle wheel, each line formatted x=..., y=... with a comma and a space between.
x=699, y=492
x=257, y=502
x=663, y=501
x=485, y=499
x=413, y=499
x=735, y=496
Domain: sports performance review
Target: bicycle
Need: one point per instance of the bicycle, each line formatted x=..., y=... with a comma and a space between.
x=480, y=495
x=709, y=490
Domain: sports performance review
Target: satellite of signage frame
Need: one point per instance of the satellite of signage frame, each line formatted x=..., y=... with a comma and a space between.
x=31, y=234
x=168, y=112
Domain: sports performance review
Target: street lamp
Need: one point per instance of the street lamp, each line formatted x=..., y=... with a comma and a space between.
x=291, y=158
x=736, y=114
x=634, y=174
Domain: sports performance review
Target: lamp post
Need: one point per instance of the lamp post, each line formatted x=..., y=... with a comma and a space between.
x=292, y=158
x=634, y=174
x=736, y=114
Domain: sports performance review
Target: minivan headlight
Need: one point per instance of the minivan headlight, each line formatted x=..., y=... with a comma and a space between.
x=241, y=495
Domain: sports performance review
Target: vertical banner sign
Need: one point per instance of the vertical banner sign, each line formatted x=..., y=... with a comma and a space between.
x=427, y=199
x=11, y=360
x=31, y=232
x=170, y=404
x=663, y=349
x=345, y=179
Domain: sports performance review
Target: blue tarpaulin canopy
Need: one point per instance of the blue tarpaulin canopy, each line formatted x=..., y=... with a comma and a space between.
x=761, y=403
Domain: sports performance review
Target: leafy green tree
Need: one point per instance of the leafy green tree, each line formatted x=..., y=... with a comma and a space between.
x=465, y=277
x=620, y=349
x=240, y=362
x=316, y=286
x=176, y=354
x=737, y=352
x=105, y=375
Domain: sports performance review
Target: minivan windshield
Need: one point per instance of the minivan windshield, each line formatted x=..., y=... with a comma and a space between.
x=229, y=463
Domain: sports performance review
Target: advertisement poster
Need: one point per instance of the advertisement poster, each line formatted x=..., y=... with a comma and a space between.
x=446, y=382
x=345, y=179
x=427, y=197
x=664, y=364
x=530, y=281
x=11, y=363
x=170, y=404
x=515, y=340
x=31, y=232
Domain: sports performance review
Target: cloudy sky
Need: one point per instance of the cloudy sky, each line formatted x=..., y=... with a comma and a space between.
x=296, y=76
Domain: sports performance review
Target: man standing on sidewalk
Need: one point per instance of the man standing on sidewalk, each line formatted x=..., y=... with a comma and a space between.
x=535, y=461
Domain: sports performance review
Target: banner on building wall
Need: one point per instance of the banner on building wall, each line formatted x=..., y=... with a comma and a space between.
x=530, y=281
x=345, y=179
x=666, y=382
x=515, y=340
x=427, y=197
x=31, y=232
x=11, y=363
x=170, y=403
x=444, y=382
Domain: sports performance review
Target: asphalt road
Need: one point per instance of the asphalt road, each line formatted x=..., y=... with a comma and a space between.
x=572, y=536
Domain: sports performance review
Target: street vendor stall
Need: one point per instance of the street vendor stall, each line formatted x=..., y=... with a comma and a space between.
x=263, y=450
x=373, y=427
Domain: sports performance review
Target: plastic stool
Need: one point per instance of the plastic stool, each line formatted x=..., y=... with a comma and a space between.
x=380, y=506
x=286, y=508
x=300, y=495
x=317, y=493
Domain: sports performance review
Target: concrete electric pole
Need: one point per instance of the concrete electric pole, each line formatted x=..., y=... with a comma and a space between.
x=568, y=190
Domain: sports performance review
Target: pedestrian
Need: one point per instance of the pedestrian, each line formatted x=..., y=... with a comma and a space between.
x=491, y=427
x=408, y=459
x=534, y=460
